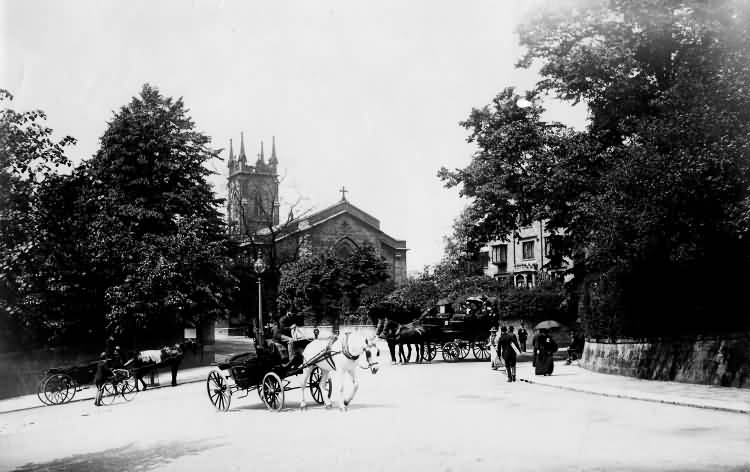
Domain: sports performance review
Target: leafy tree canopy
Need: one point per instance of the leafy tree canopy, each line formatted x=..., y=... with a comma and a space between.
x=653, y=195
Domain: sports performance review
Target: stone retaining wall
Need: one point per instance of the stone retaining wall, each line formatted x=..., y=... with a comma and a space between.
x=721, y=361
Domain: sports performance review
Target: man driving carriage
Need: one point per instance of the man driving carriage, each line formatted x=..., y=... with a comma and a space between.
x=285, y=333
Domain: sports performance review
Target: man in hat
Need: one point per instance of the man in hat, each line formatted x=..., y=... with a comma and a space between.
x=506, y=343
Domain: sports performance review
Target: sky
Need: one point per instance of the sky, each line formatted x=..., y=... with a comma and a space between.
x=366, y=95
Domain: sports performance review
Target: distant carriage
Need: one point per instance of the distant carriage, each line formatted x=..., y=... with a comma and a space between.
x=60, y=384
x=454, y=335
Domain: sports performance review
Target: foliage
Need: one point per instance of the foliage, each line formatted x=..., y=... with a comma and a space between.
x=653, y=196
x=328, y=285
x=29, y=159
x=547, y=301
x=130, y=243
x=157, y=239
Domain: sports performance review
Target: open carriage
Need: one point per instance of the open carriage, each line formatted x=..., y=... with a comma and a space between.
x=457, y=334
x=60, y=384
x=265, y=371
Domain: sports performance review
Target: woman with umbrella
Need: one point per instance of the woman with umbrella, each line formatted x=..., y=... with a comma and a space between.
x=544, y=348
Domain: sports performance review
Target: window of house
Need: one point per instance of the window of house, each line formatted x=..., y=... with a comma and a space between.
x=499, y=256
x=528, y=249
x=484, y=260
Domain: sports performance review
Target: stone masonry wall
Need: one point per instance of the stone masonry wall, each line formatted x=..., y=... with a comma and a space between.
x=721, y=361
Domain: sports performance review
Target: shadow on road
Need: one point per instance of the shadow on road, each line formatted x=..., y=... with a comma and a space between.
x=123, y=458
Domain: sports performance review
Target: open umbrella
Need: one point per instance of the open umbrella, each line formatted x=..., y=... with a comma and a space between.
x=549, y=324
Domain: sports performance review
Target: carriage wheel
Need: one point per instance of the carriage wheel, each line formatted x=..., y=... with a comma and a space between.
x=273, y=391
x=111, y=390
x=315, y=390
x=59, y=389
x=430, y=351
x=128, y=388
x=219, y=393
x=40, y=391
x=463, y=349
x=481, y=351
x=450, y=351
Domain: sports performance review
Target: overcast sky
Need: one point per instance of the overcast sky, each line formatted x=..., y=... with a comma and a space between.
x=367, y=95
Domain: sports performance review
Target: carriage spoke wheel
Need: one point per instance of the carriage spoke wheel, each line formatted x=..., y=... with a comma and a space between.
x=430, y=351
x=128, y=388
x=40, y=391
x=59, y=389
x=315, y=389
x=273, y=391
x=111, y=390
x=463, y=350
x=481, y=351
x=450, y=352
x=219, y=393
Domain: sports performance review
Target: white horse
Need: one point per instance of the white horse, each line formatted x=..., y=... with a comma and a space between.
x=345, y=356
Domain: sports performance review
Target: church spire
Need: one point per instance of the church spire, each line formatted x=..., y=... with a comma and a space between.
x=274, y=160
x=242, y=157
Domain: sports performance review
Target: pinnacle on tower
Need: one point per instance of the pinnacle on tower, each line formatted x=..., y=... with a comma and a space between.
x=230, y=161
x=242, y=156
x=273, y=160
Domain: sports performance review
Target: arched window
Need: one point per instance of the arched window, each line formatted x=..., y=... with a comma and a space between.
x=344, y=248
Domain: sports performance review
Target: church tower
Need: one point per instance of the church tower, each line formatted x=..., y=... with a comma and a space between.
x=252, y=191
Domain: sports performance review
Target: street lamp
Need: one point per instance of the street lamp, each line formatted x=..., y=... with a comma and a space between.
x=259, y=267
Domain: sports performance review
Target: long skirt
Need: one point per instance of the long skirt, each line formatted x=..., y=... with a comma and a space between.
x=495, y=361
x=544, y=364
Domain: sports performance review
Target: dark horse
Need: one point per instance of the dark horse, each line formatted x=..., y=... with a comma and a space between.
x=399, y=334
x=147, y=362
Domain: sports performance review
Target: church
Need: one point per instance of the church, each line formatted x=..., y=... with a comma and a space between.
x=253, y=215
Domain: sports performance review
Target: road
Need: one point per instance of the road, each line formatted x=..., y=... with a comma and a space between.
x=438, y=417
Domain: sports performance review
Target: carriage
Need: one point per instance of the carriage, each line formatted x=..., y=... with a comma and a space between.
x=266, y=372
x=60, y=384
x=457, y=334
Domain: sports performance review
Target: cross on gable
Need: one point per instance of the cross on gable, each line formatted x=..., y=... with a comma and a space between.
x=343, y=191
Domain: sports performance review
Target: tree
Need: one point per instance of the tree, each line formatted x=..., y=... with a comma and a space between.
x=157, y=248
x=327, y=285
x=652, y=196
x=29, y=160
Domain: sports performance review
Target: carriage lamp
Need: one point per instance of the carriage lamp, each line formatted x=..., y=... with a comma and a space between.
x=260, y=267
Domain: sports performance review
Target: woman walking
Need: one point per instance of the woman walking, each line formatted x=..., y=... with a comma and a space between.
x=545, y=348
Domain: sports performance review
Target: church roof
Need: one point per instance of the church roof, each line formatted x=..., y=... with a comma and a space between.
x=343, y=206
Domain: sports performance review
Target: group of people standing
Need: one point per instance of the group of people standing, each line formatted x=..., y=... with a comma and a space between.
x=508, y=346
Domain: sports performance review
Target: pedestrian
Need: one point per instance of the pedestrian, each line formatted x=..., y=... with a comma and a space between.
x=522, y=337
x=535, y=340
x=546, y=347
x=103, y=373
x=507, y=343
x=494, y=357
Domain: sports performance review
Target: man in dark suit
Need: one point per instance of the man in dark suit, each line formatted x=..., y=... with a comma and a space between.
x=505, y=345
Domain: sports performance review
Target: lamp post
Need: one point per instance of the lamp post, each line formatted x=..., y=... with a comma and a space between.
x=260, y=267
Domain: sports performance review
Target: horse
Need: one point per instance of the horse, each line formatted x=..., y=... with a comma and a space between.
x=403, y=334
x=147, y=361
x=345, y=352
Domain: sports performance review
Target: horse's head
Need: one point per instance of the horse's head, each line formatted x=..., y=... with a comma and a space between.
x=387, y=329
x=372, y=354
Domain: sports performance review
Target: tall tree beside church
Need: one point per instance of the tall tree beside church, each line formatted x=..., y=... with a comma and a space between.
x=653, y=195
x=157, y=240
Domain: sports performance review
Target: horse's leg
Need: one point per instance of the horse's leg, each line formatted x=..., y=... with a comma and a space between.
x=305, y=378
x=340, y=377
x=139, y=376
x=355, y=387
x=408, y=351
x=175, y=365
x=323, y=384
x=392, y=349
x=401, y=355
